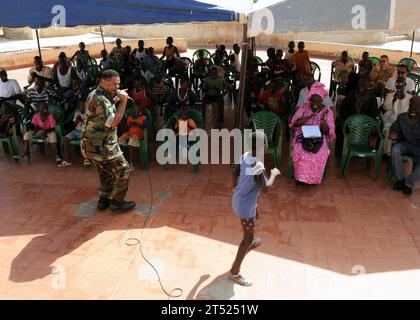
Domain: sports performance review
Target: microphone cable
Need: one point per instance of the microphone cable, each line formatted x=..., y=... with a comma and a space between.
x=134, y=241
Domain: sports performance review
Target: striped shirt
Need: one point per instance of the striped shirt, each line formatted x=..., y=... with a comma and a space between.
x=158, y=88
x=45, y=95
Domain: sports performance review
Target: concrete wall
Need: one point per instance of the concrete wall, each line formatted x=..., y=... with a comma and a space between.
x=29, y=34
x=198, y=34
x=352, y=37
x=326, y=44
x=24, y=59
x=205, y=34
x=332, y=50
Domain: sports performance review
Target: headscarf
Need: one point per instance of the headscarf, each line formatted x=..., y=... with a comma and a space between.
x=319, y=89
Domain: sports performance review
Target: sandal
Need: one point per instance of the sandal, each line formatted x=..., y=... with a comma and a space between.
x=240, y=279
x=255, y=243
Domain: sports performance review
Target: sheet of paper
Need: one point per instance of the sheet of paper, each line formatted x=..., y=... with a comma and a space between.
x=311, y=132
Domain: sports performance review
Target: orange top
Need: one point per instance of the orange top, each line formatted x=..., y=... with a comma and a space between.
x=135, y=125
x=302, y=62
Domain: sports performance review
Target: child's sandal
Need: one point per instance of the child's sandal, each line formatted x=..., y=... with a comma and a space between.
x=256, y=243
x=241, y=279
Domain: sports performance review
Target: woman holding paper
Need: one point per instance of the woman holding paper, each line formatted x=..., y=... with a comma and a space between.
x=308, y=165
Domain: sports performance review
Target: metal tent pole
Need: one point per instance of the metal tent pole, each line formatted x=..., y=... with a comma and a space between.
x=37, y=40
x=412, y=44
x=102, y=35
x=244, y=63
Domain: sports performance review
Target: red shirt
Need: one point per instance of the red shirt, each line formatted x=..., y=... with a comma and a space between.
x=273, y=101
x=141, y=97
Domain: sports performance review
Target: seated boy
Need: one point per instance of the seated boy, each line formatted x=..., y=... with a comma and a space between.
x=200, y=69
x=273, y=98
x=183, y=128
x=75, y=134
x=137, y=121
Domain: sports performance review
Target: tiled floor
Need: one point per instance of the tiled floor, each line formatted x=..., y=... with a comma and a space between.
x=352, y=238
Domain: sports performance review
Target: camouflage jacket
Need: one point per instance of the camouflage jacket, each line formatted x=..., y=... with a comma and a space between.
x=98, y=142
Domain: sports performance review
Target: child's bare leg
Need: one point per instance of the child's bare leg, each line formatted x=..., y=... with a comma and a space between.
x=54, y=149
x=66, y=154
x=26, y=147
x=131, y=151
x=243, y=249
x=26, y=141
x=257, y=241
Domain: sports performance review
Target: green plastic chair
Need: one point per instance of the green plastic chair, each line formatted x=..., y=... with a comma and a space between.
x=94, y=71
x=212, y=58
x=187, y=72
x=231, y=76
x=144, y=144
x=207, y=54
x=92, y=61
x=375, y=60
x=316, y=68
x=269, y=122
x=23, y=113
x=410, y=63
x=12, y=144
x=358, y=129
x=199, y=120
x=168, y=82
x=115, y=64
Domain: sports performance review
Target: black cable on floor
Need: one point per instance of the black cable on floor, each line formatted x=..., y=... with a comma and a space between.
x=137, y=241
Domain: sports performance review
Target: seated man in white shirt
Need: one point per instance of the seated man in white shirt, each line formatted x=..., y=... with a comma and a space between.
x=395, y=104
x=9, y=88
x=402, y=73
x=308, y=80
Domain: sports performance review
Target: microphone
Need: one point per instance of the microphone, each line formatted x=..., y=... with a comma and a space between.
x=128, y=97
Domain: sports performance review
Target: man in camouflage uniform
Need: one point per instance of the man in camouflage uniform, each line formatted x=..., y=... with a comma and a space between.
x=99, y=141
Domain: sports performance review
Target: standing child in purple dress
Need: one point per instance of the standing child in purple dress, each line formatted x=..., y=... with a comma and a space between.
x=252, y=179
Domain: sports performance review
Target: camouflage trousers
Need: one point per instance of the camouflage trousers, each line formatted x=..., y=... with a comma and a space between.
x=113, y=176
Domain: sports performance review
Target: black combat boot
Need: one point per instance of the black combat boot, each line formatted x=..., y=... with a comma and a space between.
x=122, y=206
x=103, y=203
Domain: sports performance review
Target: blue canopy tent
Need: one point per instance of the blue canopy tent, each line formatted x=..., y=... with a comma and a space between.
x=69, y=13
x=41, y=13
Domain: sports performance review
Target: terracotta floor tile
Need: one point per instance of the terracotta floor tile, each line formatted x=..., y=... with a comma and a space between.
x=313, y=239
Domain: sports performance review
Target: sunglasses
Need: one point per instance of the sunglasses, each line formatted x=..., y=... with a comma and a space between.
x=401, y=72
x=384, y=61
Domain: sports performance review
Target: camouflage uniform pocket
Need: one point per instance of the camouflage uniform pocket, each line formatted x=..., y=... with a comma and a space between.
x=93, y=148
